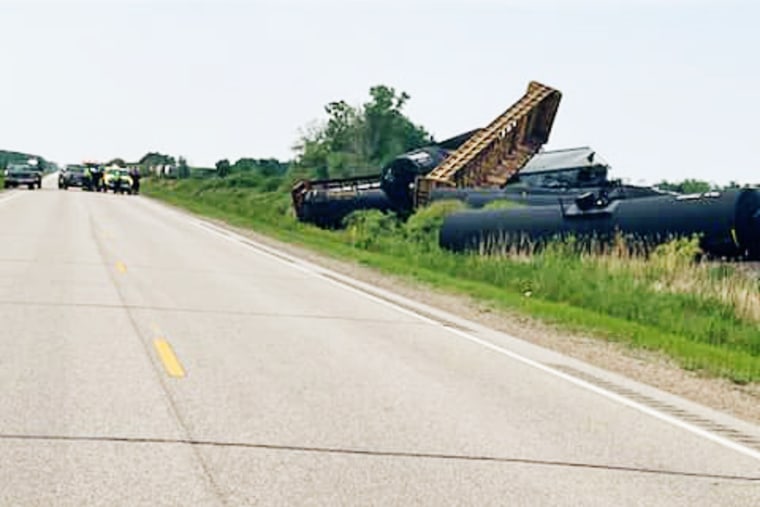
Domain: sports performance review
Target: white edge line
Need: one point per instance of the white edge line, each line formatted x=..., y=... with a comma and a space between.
x=301, y=266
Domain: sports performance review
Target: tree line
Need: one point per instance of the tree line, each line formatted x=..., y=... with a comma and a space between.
x=693, y=186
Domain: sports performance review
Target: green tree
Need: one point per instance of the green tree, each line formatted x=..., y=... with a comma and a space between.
x=359, y=140
x=388, y=131
x=244, y=165
x=272, y=167
x=687, y=186
x=223, y=168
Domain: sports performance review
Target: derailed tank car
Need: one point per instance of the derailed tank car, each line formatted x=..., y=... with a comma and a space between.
x=728, y=223
x=325, y=203
x=477, y=198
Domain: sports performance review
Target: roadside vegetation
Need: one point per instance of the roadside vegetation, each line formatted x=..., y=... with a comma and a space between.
x=705, y=316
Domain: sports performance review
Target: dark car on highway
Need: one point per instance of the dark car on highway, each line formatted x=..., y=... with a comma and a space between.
x=72, y=176
x=22, y=176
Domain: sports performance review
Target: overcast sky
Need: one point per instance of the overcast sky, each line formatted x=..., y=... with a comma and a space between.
x=661, y=89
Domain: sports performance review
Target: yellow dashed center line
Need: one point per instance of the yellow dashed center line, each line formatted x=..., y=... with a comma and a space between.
x=121, y=267
x=166, y=354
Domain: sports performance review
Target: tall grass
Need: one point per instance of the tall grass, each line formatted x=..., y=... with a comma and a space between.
x=704, y=315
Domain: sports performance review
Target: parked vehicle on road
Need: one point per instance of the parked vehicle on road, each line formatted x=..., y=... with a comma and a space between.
x=22, y=176
x=71, y=176
x=118, y=180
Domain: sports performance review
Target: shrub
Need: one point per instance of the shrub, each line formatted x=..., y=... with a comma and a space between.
x=424, y=225
x=271, y=184
x=675, y=255
x=244, y=180
x=366, y=228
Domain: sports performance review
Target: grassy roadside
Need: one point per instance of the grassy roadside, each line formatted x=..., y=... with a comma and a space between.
x=706, y=318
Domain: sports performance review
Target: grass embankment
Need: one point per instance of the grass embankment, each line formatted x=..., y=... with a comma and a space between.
x=706, y=317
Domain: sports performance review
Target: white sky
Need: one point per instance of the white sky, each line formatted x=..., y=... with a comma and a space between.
x=661, y=89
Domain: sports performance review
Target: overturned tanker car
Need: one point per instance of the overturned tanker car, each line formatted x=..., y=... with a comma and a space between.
x=727, y=223
x=325, y=203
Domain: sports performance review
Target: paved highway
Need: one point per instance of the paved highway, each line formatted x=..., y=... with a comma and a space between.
x=148, y=358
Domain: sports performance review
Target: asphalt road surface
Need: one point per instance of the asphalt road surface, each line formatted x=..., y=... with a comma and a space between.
x=149, y=358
